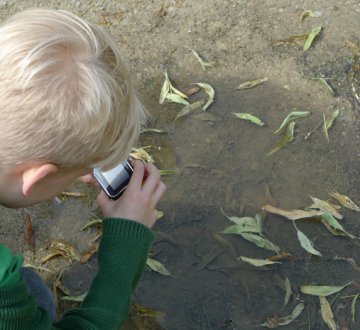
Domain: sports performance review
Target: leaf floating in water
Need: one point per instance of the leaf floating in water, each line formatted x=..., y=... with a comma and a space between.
x=261, y=241
x=353, y=305
x=258, y=262
x=306, y=243
x=251, y=83
x=272, y=323
x=190, y=108
x=329, y=221
x=292, y=116
x=249, y=117
x=311, y=36
x=345, y=201
x=288, y=137
x=288, y=293
x=291, y=214
x=203, y=63
x=310, y=13
x=209, y=90
x=157, y=266
x=316, y=290
x=326, y=207
x=327, y=313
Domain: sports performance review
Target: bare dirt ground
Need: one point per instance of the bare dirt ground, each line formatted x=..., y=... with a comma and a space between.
x=220, y=162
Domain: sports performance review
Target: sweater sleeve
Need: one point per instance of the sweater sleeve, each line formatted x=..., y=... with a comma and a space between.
x=122, y=257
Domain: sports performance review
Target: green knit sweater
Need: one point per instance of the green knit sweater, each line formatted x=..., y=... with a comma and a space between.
x=122, y=257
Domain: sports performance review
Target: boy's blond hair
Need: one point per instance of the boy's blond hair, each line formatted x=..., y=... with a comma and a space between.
x=65, y=95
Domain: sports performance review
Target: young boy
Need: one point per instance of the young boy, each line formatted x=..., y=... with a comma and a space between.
x=67, y=106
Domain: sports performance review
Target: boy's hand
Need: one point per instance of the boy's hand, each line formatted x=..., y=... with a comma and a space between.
x=139, y=199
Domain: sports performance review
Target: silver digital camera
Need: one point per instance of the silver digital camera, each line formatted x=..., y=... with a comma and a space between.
x=115, y=180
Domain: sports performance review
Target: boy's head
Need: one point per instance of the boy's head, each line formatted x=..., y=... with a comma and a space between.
x=66, y=103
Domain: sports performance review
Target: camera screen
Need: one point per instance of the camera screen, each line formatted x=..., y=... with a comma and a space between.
x=116, y=176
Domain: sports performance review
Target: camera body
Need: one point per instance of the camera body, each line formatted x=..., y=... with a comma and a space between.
x=115, y=180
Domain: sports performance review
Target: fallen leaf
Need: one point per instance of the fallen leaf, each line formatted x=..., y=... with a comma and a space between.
x=282, y=256
x=292, y=40
x=29, y=232
x=328, y=220
x=261, y=241
x=306, y=243
x=353, y=309
x=73, y=194
x=288, y=293
x=203, y=63
x=79, y=298
x=292, y=116
x=311, y=36
x=157, y=266
x=327, y=313
x=190, y=108
x=251, y=83
x=288, y=137
x=322, y=81
x=258, y=262
x=146, y=312
x=291, y=214
x=176, y=98
x=141, y=154
x=273, y=323
x=345, y=201
x=326, y=207
x=248, y=117
x=316, y=290
x=165, y=89
x=87, y=254
x=209, y=90
x=310, y=13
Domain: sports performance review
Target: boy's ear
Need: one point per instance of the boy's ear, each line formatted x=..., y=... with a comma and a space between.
x=34, y=174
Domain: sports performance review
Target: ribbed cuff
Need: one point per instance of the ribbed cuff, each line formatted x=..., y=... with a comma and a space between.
x=14, y=295
x=127, y=228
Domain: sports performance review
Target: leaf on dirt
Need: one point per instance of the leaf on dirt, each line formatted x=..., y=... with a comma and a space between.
x=64, y=249
x=291, y=214
x=239, y=229
x=288, y=293
x=165, y=89
x=73, y=194
x=292, y=116
x=353, y=307
x=38, y=268
x=311, y=36
x=249, y=117
x=145, y=311
x=306, y=243
x=251, y=83
x=288, y=137
x=167, y=172
x=316, y=290
x=87, y=254
x=322, y=81
x=272, y=323
x=141, y=154
x=95, y=222
x=282, y=256
x=258, y=262
x=157, y=266
x=329, y=122
x=326, y=207
x=310, y=13
x=176, y=98
x=345, y=201
x=203, y=63
x=75, y=298
x=190, y=108
x=327, y=313
x=29, y=232
x=192, y=91
x=152, y=130
x=292, y=40
x=209, y=90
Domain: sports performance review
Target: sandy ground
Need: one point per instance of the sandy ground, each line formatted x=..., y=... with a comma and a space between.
x=237, y=35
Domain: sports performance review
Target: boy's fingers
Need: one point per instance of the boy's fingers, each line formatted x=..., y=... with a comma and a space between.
x=137, y=176
x=102, y=198
x=152, y=180
x=159, y=192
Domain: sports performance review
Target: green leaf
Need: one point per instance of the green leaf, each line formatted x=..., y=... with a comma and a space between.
x=251, y=83
x=327, y=313
x=258, y=262
x=287, y=319
x=240, y=229
x=249, y=117
x=326, y=207
x=209, y=90
x=306, y=243
x=261, y=242
x=331, y=221
x=165, y=89
x=353, y=310
x=157, y=266
x=190, y=108
x=288, y=137
x=311, y=36
x=203, y=63
x=176, y=98
x=316, y=290
x=294, y=115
